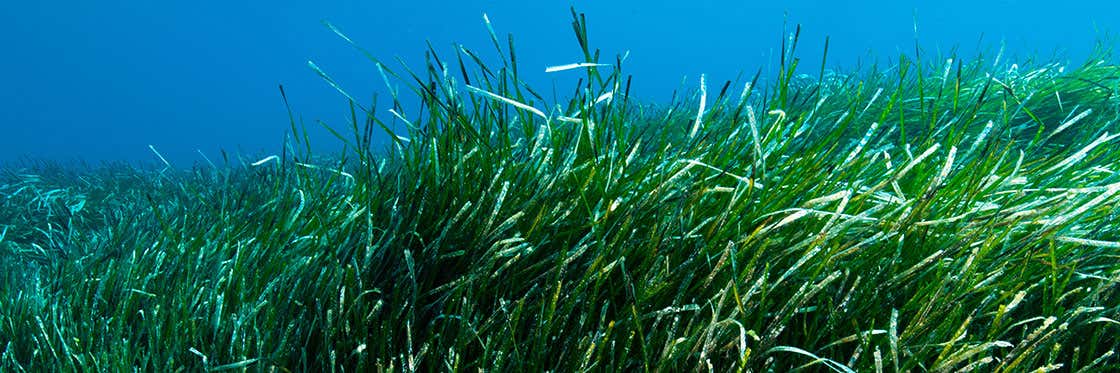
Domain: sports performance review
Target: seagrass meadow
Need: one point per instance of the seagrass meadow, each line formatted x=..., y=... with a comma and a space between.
x=938, y=214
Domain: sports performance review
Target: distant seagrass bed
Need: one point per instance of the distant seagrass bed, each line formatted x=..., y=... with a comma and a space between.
x=939, y=214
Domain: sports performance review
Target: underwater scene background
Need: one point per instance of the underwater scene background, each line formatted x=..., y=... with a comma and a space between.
x=548, y=186
x=102, y=81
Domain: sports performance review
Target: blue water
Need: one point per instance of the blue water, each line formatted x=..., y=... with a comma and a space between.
x=103, y=80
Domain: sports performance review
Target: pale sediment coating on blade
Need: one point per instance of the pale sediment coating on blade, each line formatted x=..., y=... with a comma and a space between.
x=1070, y=122
x=1089, y=242
x=264, y=160
x=871, y=101
x=862, y=143
x=832, y=364
x=1080, y=154
x=906, y=169
x=407, y=122
x=604, y=97
x=752, y=121
x=331, y=170
x=948, y=166
x=161, y=158
x=504, y=99
x=980, y=138
x=572, y=66
x=700, y=111
x=945, y=72
x=1109, y=191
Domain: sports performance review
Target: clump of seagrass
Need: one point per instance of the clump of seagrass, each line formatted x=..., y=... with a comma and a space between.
x=939, y=215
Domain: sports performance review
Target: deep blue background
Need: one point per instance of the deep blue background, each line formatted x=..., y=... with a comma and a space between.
x=102, y=80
